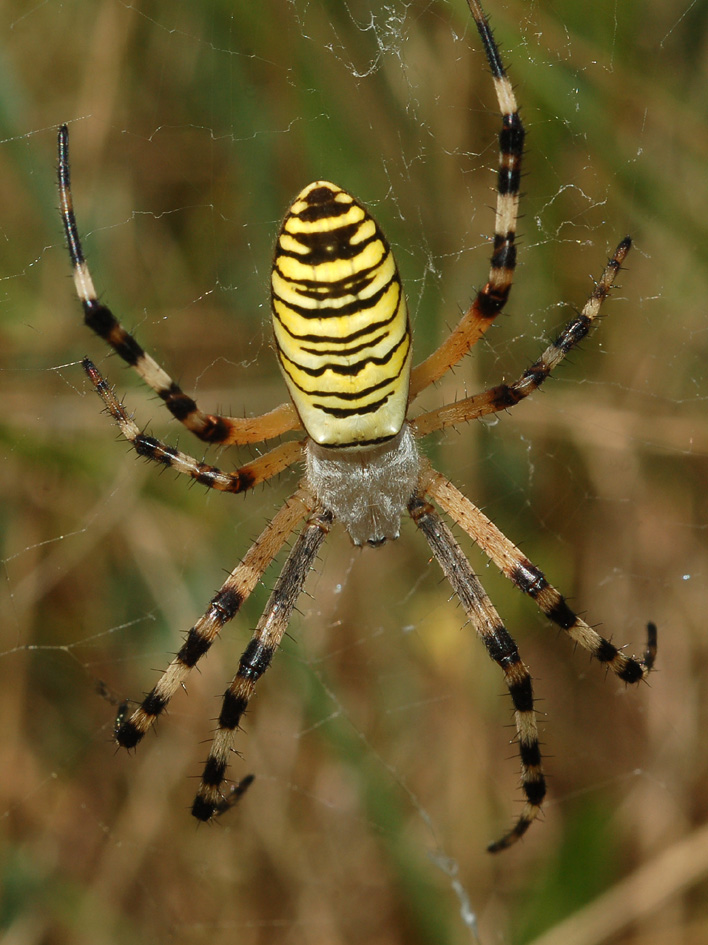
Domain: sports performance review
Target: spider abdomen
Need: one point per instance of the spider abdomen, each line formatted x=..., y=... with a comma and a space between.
x=340, y=320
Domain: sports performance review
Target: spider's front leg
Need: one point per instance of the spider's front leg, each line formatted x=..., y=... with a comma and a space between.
x=502, y=649
x=255, y=661
x=222, y=608
x=532, y=581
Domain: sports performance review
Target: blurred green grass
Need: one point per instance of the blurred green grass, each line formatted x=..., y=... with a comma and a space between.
x=378, y=736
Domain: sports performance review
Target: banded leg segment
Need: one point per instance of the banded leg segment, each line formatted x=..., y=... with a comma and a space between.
x=222, y=608
x=266, y=466
x=256, y=660
x=491, y=299
x=505, y=396
x=501, y=648
x=211, y=428
x=532, y=581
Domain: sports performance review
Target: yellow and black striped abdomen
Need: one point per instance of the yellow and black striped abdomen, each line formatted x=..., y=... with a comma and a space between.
x=340, y=320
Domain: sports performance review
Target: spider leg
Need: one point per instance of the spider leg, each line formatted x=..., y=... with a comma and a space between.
x=222, y=608
x=532, y=581
x=505, y=396
x=246, y=477
x=501, y=648
x=256, y=659
x=491, y=299
x=234, y=795
x=212, y=428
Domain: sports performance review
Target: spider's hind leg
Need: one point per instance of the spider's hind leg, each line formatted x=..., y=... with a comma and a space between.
x=246, y=477
x=492, y=297
x=211, y=428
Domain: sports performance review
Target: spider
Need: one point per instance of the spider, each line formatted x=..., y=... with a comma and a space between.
x=343, y=341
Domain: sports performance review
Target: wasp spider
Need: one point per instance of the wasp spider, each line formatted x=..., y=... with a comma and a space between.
x=343, y=342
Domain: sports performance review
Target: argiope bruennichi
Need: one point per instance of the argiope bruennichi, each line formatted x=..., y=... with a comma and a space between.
x=343, y=341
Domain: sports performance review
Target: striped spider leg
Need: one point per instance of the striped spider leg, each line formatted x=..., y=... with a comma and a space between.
x=485, y=619
x=211, y=428
x=207, y=427
x=502, y=649
x=532, y=581
x=491, y=298
x=256, y=659
x=343, y=342
x=505, y=396
x=241, y=581
x=222, y=608
x=242, y=479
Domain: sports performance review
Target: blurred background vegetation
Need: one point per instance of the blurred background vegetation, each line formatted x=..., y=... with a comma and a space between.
x=379, y=739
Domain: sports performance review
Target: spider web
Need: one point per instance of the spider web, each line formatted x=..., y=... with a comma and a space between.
x=383, y=765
